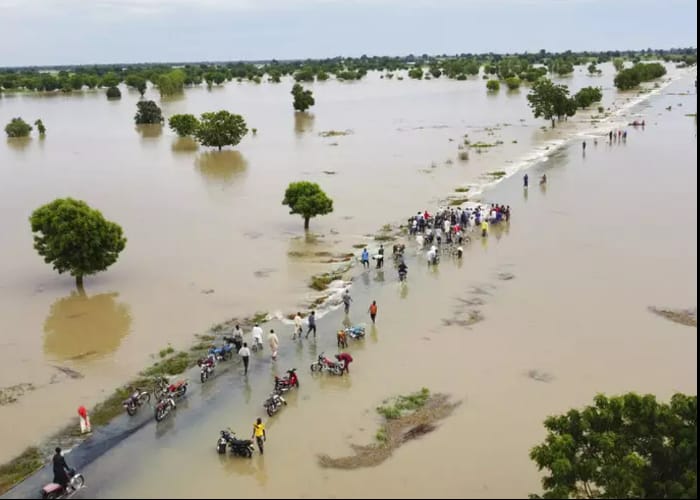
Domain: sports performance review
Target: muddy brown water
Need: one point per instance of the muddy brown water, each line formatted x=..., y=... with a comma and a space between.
x=583, y=254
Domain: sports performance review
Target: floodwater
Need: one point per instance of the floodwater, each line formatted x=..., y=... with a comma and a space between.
x=202, y=220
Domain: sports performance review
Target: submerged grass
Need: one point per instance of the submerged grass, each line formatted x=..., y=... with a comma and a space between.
x=20, y=467
x=457, y=201
x=497, y=174
x=321, y=281
x=173, y=365
x=462, y=190
x=406, y=418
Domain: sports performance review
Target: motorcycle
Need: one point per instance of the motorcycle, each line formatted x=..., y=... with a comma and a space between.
x=240, y=447
x=137, y=399
x=222, y=353
x=164, y=407
x=54, y=490
x=283, y=384
x=163, y=387
x=206, y=367
x=273, y=403
x=355, y=332
x=402, y=276
x=257, y=345
x=324, y=363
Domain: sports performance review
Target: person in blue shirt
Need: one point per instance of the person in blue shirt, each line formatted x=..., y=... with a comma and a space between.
x=365, y=258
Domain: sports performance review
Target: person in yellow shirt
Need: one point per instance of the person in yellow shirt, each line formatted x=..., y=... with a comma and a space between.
x=259, y=434
x=484, y=229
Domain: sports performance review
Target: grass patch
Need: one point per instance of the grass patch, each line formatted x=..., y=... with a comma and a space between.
x=401, y=405
x=109, y=408
x=19, y=468
x=497, y=174
x=480, y=145
x=463, y=156
x=334, y=133
x=171, y=366
x=359, y=245
x=462, y=190
x=164, y=352
x=384, y=237
x=259, y=317
x=457, y=201
x=381, y=435
x=321, y=281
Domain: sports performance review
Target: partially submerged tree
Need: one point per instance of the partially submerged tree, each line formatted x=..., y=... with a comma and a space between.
x=40, y=127
x=627, y=446
x=593, y=69
x=513, y=83
x=587, y=96
x=308, y=200
x=137, y=82
x=171, y=83
x=493, y=85
x=18, y=128
x=303, y=99
x=220, y=129
x=183, y=124
x=550, y=101
x=618, y=63
x=114, y=93
x=148, y=112
x=75, y=238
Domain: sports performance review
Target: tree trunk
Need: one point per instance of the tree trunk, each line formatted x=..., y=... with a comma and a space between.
x=79, y=283
x=553, y=125
x=219, y=148
x=306, y=223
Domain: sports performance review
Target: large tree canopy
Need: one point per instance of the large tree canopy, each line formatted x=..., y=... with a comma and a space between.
x=307, y=199
x=148, y=112
x=75, y=238
x=549, y=100
x=627, y=446
x=18, y=128
x=220, y=129
x=303, y=99
x=183, y=124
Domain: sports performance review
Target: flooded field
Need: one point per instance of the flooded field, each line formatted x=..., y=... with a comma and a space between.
x=199, y=221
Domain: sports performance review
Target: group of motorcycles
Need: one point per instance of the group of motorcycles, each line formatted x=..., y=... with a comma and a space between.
x=275, y=401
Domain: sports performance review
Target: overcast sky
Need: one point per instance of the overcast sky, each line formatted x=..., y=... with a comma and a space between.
x=36, y=32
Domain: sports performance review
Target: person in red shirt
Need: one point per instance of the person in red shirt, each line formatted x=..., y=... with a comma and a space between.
x=346, y=359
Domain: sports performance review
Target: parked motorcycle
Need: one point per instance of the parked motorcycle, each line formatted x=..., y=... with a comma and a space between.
x=163, y=387
x=240, y=447
x=283, y=384
x=137, y=399
x=206, y=367
x=222, y=353
x=164, y=407
x=324, y=363
x=54, y=490
x=355, y=332
x=273, y=403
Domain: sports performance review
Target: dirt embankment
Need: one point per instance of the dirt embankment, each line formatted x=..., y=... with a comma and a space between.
x=687, y=317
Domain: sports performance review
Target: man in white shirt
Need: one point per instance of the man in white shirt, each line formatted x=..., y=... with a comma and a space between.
x=244, y=353
x=297, y=326
x=257, y=336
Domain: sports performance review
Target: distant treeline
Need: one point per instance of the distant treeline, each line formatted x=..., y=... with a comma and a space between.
x=173, y=77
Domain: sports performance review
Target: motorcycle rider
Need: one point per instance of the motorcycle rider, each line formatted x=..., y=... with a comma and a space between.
x=346, y=359
x=403, y=269
x=60, y=470
x=257, y=336
x=238, y=337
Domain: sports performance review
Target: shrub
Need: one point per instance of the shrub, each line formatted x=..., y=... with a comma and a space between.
x=493, y=85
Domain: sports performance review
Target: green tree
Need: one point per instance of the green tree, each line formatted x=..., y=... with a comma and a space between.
x=184, y=124
x=550, y=101
x=587, y=96
x=171, y=83
x=493, y=85
x=593, y=69
x=415, y=73
x=137, y=82
x=110, y=80
x=628, y=446
x=148, y=112
x=18, y=128
x=307, y=199
x=114, y=93
x=303, y=99
x=513, y=83
x=618, y=63
x=40, y=127
x=220, y=129
x=75, y=238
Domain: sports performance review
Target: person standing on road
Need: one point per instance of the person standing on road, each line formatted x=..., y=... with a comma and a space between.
x=346, y=301
x=259, y=434
x=274, y=343
x=365, y=259
x=312, y=324
x=526, y=179
x=257, y=337
x=244, y=353
x=373, y=311
x=380, y=257
x=297, y=326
